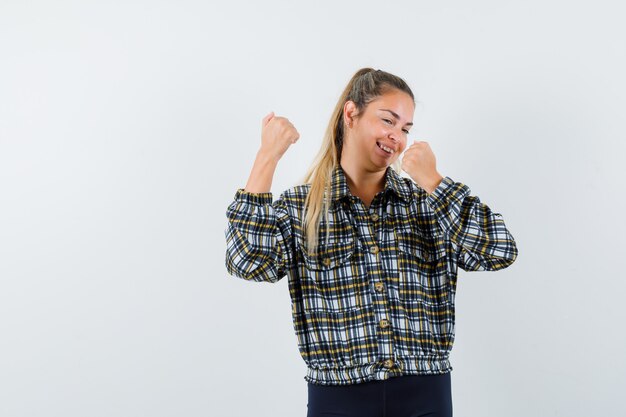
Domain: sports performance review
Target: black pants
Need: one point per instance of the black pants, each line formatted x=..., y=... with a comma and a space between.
x=400, y=396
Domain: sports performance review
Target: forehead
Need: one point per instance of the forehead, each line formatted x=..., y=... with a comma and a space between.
x=397, y=101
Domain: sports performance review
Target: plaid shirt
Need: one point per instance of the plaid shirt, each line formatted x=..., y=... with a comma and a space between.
x=377, y=298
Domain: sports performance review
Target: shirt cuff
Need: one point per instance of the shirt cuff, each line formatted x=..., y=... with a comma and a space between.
x=253, y=198
x=439, y=192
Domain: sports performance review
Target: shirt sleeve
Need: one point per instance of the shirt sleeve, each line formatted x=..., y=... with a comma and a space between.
x=258, y=237
x=483, y=241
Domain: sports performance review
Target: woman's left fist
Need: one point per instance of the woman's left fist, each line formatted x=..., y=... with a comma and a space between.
x=419, y=162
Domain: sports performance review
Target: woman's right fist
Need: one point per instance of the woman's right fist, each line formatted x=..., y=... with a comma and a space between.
x=277, y=135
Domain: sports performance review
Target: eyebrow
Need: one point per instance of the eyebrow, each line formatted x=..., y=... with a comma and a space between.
x=396, y=116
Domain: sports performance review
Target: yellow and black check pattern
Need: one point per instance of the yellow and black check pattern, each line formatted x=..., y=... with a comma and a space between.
x=376, y=299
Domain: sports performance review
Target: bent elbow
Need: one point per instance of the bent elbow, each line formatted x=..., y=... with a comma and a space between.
x=251, y=271
x=500, y=257
x=507, y=257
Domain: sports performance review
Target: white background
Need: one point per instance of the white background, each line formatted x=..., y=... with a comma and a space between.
x=126, y=128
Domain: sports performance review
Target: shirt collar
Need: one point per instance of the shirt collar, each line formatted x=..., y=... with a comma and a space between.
x=393, y=182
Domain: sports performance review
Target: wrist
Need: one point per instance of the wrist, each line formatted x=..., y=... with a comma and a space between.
x=431, y=185
x=265, y=157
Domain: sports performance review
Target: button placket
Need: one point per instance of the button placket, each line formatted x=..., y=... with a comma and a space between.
x=372, y=236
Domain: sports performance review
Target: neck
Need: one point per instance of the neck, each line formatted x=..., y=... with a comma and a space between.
x=362, y=180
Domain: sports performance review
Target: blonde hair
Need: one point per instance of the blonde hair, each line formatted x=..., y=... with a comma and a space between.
x=365, y=86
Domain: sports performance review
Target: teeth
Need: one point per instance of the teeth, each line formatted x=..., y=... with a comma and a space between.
x=384, y=148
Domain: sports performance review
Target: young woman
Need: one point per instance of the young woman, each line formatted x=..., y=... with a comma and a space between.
x=371, y=256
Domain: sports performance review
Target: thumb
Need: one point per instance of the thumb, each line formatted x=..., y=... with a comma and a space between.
x=267, y=118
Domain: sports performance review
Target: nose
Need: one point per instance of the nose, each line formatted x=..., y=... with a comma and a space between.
x=393, y=135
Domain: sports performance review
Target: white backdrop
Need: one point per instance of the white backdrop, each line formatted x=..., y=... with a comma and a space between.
x=126, y=128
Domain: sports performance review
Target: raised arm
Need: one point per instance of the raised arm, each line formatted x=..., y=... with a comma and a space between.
x=259, y=231
x=277, y=135
x=483, y=240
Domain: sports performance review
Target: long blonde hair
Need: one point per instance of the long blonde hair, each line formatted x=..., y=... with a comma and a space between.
x=365, y=86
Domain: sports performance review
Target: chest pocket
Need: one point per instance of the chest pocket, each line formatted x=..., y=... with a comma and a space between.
x=331, y=276
x=422, y=266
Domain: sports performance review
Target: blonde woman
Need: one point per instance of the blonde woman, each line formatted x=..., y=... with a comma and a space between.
x=371, y=257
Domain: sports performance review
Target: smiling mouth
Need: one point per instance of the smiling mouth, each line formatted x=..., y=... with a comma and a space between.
x=384, y=148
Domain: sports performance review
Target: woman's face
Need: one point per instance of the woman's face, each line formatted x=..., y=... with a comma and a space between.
x=379, y=135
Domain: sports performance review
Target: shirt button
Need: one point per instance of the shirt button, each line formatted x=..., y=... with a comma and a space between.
x=388, y=363
x=384, y=323
x=379, y=286
x=374, y=249
x=326, y=261
x=374, y=217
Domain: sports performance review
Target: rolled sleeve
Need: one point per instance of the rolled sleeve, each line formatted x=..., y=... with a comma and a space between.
x=258, y=237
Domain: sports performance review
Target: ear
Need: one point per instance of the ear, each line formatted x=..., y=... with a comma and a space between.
x=349, y=110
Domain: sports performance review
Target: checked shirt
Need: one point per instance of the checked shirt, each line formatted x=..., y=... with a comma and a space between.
x=376, y=299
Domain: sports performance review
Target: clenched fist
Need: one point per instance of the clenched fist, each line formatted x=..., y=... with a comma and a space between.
x=419, y=162
x=277, y=135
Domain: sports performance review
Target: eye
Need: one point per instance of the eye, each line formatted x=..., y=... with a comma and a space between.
x=406, y=131
x=388, y=121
